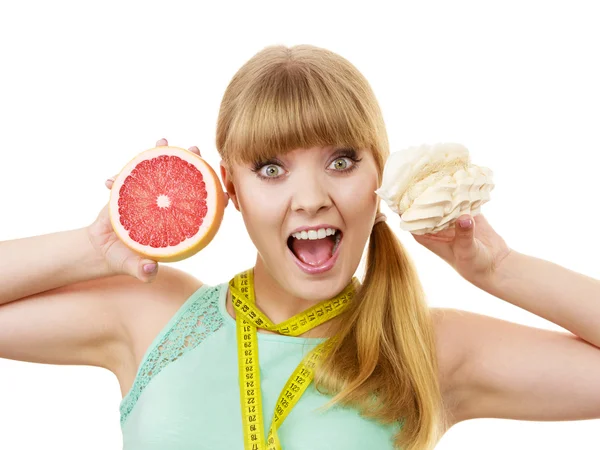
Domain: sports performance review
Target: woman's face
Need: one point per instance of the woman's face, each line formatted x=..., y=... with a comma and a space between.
x=308, y=189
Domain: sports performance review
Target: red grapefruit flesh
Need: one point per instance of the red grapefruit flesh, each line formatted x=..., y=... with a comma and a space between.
x=166, y=204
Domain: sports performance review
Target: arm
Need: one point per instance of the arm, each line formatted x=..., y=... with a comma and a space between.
x=40, y=263
x=499, y=369
x=506, y=370
x=566, y=298
x=82, y=296
x=60, y=305
x=54, y=303
x=105, y=322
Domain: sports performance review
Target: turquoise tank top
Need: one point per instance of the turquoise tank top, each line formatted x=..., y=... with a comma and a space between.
x=186, y=391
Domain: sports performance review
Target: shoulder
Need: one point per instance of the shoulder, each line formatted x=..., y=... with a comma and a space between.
x=457, y=332
x=449, y=351
x=465, y=342
x=144, y=309
x=166, y=293
x=452, y=328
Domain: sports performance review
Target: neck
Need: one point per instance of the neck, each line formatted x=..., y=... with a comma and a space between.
x=274, y=300
x=278, y=304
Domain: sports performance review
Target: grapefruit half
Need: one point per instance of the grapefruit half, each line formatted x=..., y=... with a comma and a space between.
x=166, y=204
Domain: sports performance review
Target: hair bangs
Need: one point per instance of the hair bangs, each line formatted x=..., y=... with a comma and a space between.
x=295, y=107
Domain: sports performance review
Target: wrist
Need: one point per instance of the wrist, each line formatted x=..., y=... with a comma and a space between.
x=92, y=261
x=502, y=271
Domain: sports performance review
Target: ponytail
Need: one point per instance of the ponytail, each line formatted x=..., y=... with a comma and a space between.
x=385, y=347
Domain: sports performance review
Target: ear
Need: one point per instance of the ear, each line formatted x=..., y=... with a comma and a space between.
x=227, y=178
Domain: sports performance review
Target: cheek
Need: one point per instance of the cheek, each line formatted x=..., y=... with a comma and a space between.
x=358, y=195
x=260, y=206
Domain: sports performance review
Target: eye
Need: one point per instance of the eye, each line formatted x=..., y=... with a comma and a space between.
x=342, y=163
x=270, y=171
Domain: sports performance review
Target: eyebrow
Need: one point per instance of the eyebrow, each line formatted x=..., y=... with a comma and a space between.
x=347, y=150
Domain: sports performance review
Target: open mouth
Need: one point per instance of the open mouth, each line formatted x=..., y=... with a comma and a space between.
x=315, y=251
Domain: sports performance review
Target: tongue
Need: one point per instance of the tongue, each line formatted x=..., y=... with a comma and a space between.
x=313, y=252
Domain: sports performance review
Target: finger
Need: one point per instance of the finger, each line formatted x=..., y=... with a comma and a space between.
x=137, y=267
x=465, y=224
x=438, y=248
x=436, y=238
x=162, y=142
x=447, y=233
x=109, y=183
x=147, y=270
x=195, y=150
x=226, y=198
x=464, y=232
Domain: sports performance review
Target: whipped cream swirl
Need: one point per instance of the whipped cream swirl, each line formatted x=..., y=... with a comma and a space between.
x=430, y=186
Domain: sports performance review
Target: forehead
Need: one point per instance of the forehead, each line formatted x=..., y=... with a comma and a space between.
x=311, y=151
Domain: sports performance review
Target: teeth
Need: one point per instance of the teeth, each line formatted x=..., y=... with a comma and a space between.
x=315, y=234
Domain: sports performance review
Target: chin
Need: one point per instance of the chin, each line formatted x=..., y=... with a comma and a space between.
x=315, y=288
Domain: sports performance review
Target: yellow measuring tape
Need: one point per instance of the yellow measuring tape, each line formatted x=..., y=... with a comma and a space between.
x=248, y=319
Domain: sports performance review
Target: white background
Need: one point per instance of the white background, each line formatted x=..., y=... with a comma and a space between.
x=86, y=86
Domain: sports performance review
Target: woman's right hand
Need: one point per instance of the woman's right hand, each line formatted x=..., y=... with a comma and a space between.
x=120, y=259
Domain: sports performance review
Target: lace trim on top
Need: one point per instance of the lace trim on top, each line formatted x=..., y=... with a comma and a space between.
x=186, y=330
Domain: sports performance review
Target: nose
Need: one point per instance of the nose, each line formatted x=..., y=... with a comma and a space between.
x=311, y=195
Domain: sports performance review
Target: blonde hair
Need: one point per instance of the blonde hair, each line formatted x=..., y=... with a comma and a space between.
x=305, y=96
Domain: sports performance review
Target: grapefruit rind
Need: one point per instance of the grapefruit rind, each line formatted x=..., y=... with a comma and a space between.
x=215, y=202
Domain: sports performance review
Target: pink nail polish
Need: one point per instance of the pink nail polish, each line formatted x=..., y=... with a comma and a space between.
x=465, y=223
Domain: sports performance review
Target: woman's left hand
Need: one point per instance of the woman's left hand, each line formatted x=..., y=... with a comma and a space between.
x=474, y=252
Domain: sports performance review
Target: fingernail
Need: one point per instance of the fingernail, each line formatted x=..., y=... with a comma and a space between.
x=465, y=223
x=149, y=268
x=111, y=179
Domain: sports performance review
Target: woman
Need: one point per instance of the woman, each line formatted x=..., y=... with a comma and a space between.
x=303, y=145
